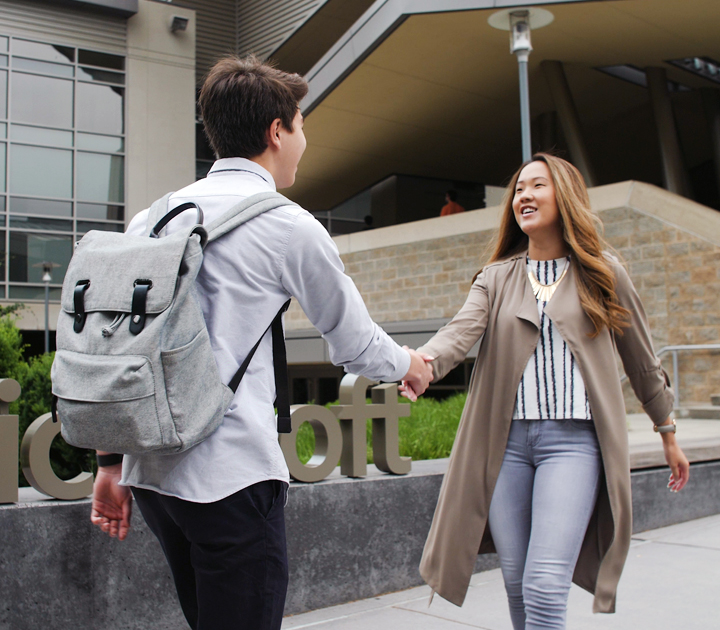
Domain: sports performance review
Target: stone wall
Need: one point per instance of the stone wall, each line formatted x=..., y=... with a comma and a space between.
x=348, y=539
x=423, y=270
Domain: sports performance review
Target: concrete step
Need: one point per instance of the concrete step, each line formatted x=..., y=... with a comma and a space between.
x=698, y=411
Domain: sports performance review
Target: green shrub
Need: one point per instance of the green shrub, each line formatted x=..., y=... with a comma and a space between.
x=11, y=345
x=428, y=433
x=34, y=378
x=66, y=461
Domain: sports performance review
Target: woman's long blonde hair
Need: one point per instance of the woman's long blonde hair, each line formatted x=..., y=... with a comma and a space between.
x=581, y=233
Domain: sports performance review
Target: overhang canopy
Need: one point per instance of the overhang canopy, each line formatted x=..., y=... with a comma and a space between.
x=435, y=93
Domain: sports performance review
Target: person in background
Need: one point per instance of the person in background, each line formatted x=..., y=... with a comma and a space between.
x=451, y=205
x=540, y=471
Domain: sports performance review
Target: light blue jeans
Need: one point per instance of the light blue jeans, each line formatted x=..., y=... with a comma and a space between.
x=540, y=510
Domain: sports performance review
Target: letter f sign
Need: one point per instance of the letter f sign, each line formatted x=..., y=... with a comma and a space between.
x=353, y=413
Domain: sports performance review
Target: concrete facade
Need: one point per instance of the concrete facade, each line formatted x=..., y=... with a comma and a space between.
x=161, y=104
x=422, y=271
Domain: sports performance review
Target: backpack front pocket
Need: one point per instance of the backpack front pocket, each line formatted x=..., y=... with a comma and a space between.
x=106, y=402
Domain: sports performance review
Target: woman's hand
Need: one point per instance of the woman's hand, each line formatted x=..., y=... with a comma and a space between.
x=677, y=461
x=419, y=375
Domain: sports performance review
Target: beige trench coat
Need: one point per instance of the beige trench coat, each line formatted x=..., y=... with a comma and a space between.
x=501, y=308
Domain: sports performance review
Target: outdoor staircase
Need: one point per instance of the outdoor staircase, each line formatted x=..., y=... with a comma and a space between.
x=699, y=411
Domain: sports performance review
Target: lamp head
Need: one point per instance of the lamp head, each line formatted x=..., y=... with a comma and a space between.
x=520, y=32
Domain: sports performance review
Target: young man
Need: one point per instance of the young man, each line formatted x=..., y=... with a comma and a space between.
x=217, y=509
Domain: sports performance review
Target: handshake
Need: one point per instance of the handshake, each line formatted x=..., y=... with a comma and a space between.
x=418, y=377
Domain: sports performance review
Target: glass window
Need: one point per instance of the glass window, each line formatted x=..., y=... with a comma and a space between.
x=111, y=144
x=100, y=211
x=3, y=158
x=40, y=171
x=103, y=60
x=3, y=130
x=37, y=223
x=28, y=249
x=3, y=44
x=86, y=226
x=100, y=108
x=2, y=257
x=43, y=67
x=46, y=52
x=3, y=93
x=42, y=100
x=36, y=293
x=3, y=61
x=22, y=205
x=39, y=135
x=100, y=177
x=94, y=74
x=2, y=208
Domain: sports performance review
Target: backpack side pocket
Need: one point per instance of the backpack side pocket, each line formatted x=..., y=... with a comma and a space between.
x=196, y=397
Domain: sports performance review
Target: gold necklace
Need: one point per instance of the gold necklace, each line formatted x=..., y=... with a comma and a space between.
x=543, y=292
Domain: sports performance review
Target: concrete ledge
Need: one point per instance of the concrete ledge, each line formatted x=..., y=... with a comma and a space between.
x=347, y=540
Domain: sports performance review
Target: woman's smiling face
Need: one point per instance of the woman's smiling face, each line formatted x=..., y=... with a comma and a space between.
x=534, y=203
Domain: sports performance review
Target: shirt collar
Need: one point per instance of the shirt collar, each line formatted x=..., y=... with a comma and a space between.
x=240, y=165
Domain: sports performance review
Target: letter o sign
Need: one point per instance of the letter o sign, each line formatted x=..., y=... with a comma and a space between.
x=328, y=443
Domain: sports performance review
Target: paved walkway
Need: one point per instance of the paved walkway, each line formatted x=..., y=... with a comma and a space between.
x=671, y=582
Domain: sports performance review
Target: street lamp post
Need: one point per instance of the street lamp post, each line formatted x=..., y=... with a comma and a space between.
x=47, y=268
x=519, y=22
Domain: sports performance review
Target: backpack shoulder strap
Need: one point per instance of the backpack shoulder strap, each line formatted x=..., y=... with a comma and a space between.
x=244, y=211
x=157, y=211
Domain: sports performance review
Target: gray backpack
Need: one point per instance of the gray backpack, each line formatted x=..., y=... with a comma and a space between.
x=134, y=370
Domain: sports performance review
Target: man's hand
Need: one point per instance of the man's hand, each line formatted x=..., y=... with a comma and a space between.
x=111, y=503
x=418, y=377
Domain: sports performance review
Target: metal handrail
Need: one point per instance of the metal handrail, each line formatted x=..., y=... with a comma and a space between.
x=675, y=350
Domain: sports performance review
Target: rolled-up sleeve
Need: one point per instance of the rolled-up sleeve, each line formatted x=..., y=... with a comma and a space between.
x=454, y=340
x=649, y=380
x=314, y=274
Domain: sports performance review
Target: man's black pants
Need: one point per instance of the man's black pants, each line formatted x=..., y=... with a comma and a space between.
x=228, y=558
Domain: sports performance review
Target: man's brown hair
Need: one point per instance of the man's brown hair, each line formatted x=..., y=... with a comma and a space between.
x=239, y=100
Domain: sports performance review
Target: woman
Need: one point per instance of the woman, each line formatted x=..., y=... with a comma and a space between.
x=540, y=466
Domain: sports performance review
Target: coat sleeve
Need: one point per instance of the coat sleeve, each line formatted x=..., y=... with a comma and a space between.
x=649, y=380
x=453, y=341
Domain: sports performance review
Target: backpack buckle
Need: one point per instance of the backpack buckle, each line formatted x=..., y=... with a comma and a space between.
x=79, y=303
x=139, y=301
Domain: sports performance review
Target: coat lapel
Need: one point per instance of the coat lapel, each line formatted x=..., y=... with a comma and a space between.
x=528, y=306
x=566, y=312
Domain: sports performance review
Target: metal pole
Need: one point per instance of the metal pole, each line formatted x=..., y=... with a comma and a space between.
x=47, y=317
x=569, y=119
x=522, y=57
x=673, y=172
x=676, y=380
x=711, y=103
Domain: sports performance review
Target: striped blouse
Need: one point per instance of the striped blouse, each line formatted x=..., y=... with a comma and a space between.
x=552, y=386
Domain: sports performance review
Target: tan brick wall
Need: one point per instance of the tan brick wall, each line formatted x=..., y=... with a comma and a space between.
x=425, y=280
x=676, y=272
x=677, y=275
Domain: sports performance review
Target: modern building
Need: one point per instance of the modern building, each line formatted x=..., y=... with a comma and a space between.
x=406, y=101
